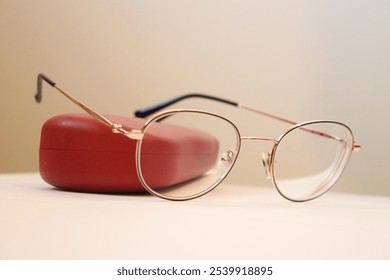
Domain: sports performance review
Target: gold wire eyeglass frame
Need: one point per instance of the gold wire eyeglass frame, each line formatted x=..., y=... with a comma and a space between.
x=137, y=135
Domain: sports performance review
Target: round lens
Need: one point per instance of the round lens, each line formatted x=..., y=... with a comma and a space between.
x=310, y=158
x=185, y=154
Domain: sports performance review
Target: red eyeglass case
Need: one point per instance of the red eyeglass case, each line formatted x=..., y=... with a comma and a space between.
x=79, y=153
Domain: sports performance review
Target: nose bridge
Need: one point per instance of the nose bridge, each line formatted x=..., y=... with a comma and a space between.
x=266, y=158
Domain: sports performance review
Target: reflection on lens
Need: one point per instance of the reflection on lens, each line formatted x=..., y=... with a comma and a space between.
x=185, y=154
x=310, y=158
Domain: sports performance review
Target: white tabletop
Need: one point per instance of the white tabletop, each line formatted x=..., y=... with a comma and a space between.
x=232, y=222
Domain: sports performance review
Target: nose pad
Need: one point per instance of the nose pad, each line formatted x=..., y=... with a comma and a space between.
x=227, y=157
x=226, y=161
x=266, y=158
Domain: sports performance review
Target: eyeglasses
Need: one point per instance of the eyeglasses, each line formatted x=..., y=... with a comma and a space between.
x=304, y=162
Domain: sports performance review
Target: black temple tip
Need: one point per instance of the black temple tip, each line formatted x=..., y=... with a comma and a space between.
x=144, y=112
x=38, y=95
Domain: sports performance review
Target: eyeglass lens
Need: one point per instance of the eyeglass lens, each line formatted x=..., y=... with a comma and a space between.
x=309, y=159
x=195, y=151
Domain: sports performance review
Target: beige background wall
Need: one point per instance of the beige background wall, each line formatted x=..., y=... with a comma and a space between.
x=300, y=59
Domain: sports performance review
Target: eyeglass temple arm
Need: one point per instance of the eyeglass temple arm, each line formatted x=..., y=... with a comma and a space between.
x=116, y=128
x=38, y=98
x=147, y=111
x=356, y=147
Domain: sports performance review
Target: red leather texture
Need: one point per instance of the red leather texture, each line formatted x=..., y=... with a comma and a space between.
x=79, y=153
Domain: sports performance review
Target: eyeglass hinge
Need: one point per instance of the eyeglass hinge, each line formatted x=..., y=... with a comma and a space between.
x=117, y=128
x=133, y=134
